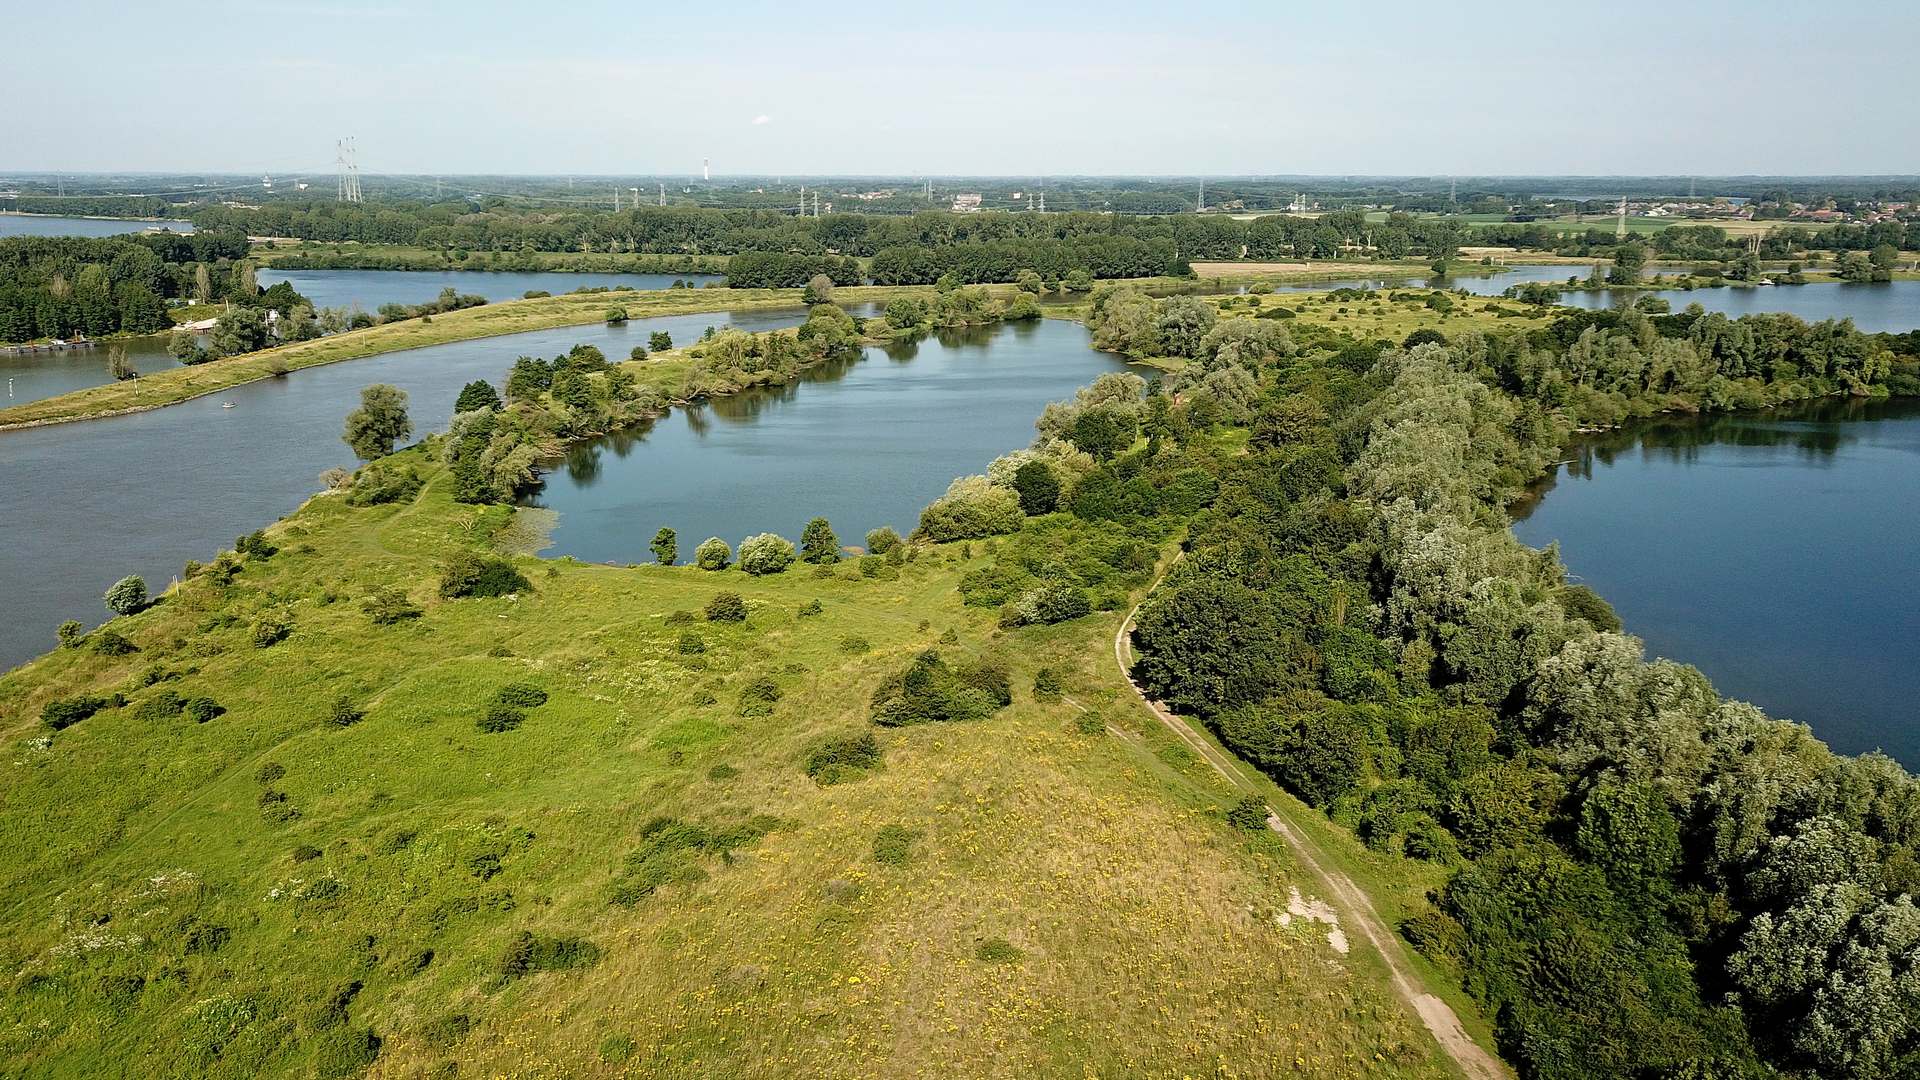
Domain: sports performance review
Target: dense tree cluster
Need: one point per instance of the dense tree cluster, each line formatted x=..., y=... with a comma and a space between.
x=68, y=286
x=1647, y=880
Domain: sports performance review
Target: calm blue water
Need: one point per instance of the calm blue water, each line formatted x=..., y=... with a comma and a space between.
x=37, y=225
x=368, y=289
x=83, y=504
x=863, y=444
x=1774, y=551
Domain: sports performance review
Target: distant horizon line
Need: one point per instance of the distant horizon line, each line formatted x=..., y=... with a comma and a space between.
x=1349, y=177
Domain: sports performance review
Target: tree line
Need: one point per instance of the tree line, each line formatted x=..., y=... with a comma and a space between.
x=1644, y=879
x=63, y=286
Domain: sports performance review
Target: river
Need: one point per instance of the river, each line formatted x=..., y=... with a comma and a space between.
x=84, y=503
x=47, y=225
x=1773, y=550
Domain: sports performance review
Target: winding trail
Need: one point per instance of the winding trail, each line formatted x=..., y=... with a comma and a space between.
x=1356, y=908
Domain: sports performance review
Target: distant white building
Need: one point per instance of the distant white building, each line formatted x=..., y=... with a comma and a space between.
x=966, y=204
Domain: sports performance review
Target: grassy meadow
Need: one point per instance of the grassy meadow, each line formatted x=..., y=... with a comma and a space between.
x=1048, y=892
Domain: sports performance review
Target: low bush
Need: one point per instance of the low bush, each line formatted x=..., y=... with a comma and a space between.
x=127, y=596
x=1250, y=813
x=472, y=574
x=812, y=607
x=854, y=643
x=500, y=717
x=930, y=691
x=528, y=952
x=161, y=706
x=63, y=713
x=521, y=696
x=344, y=713
x=712, y=554
x=692, y=644
x=837, y=759
x=1046, y=685
x=388, y=605
x=766, y=553
x=893, y=845
x=71, y=634
x=270, y=628
x=726, y=607
x=202, y=709
x=381, y=483
x=111, y=643
x=998, y=951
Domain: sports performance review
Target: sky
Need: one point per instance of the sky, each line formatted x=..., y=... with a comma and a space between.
x=976, y=88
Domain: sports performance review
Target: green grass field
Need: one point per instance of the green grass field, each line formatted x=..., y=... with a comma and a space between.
x=1053, y=902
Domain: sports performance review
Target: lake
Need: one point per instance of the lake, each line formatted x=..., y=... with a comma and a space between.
x=44, y=225
x=368, y=289
x=863, y=444
x=84, y=503
x=1775, y=551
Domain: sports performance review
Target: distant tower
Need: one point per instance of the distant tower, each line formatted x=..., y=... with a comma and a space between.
x=706, y=169
x=1200, y=204
x=1620, y=230
x=616, y=200
x=663, y=193
x=1453, y=192
x=349, y=185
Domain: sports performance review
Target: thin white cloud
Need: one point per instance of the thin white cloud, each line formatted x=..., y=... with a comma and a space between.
x=762, y=119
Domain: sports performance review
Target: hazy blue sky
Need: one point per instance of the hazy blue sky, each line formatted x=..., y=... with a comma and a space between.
x=1001, y=88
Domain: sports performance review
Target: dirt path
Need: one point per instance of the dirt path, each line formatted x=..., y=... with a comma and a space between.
x=1354, y=906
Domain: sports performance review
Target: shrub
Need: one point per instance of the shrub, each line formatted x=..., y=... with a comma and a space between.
x=270, y=628
x=722, y=771
x=1050, y=603
x=810, y=608
x=692, y=644
x=160, y=706
x=305, y=853
x=345, y=1051
x=1046, y=685
x=127, y=595
x=1038, y=487
x=616, y=315
x=269, y=772
x=998, y=951
x=666, y=547
x=971, y=508
x=893, y=845
x=854, y=643
x=256, y=545
x=1089, y=724
x=63, y=713
x=500, y=717
x=344, y=713
x=472, y=574
x=712, y=554
x=521, y=695
x=388, y=605
x=758, y=696
x=929, y=691
x=726, y=607
x=659, y=341
x=528, y=952
x=381, y=483
x=71, y=634
x=818, y=544
x=202, y=710
x=111, y=643
x=765, y=553
x=836, y=759
x=1249, y=814
x=882, y=540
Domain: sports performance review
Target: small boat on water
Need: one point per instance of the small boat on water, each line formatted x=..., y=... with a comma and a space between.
x=226, y=404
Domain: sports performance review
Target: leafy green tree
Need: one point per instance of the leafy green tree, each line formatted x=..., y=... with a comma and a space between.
x=478, y=394
x=659, y=341
x=712, y=554
x=241, y=330
x=379, y=422
x=766, y=553
x=1029, y=281
x=1039, y=488
x=616, y=315
x=882, y=540
x=818, y=544
x=819, y=290
x=1629, y=260
x=666, y=547
x=726, y=607
x=1078, y=280
x=127, y=596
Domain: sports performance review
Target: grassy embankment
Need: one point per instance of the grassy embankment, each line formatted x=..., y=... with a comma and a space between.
x=1069, y=901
